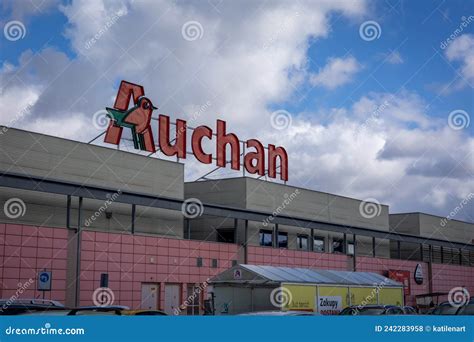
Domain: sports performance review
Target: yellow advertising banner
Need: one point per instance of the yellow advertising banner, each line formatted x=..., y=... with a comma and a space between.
x=301, y=297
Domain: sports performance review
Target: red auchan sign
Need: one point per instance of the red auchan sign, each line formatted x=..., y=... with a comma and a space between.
x=138, y=119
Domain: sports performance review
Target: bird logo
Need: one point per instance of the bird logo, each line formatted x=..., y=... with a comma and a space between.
x=138, y=120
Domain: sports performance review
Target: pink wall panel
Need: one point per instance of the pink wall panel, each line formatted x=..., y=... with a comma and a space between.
x=133, y=260
x=26, y=250
x=147, y=259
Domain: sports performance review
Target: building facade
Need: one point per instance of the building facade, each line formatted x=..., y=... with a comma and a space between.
x=89, y=212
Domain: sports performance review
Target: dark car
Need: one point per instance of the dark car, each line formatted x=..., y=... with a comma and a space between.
x=410, y=310
x=372, y=310
x=98, y=310
x=22, y=306
x=444, y=308
x=279, y=313
x=467, y=309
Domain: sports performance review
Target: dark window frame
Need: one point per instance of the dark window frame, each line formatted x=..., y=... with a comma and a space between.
x=319, y=238
x=299, y=240
x=262, y=240
x=279, y=243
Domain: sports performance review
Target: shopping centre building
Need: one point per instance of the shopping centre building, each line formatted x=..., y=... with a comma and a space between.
x=92, y=216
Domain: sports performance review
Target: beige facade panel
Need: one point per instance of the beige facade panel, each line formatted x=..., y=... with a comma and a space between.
x=56, y=158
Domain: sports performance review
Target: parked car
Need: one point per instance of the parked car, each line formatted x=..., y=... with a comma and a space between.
x=98, y=310
x=372, y=310
x=144, y=313
x=21, y=306
x=444, y=308
x=467, y=309
x=410, y=310
x=279, y=313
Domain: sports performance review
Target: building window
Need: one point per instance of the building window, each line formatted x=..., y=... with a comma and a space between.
x=199, y=262
x=282, y=240
x=302, y=242
x=266, y=237
x=350, y=248
x=234, y=263
x=193, y=300
x=214, y=263
x=226, y=235
x=338, y=246
x=318, y=244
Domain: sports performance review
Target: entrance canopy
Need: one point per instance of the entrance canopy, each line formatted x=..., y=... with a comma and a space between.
x=273, y=275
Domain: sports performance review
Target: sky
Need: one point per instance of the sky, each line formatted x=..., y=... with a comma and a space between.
x=371, y=99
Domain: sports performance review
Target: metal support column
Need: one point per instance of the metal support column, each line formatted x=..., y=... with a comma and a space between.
x=354, y=257
x=68, y=212
x=78, y=255
x=188, y=229
x=344, y=244
x=133, y=219
x=373, y=247
x=236, y=225
x=430, y=268
x=399, y=250
x=421, y=251
x=275, y=236
x=246, y=236
x=311, y=241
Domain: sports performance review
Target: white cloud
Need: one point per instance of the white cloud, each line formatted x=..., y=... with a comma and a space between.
x=249, y=57
x=337, y=72
x=363, y=155
x=462, y=50
x=393, y=57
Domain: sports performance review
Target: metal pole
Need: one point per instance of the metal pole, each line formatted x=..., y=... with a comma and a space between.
x=344, y=244
x=78, y=253
x=236, y=224
x=275, y=236
x=133, y=219
x=430, y=268
x=399, y=250
x=311, y=242
x=246, y=235
x=355, y=253
x=373, y=247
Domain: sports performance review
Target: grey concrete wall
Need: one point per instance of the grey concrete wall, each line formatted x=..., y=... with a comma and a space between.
x=405, y=223
x=270, y=197
x=55, y=158
x=451, y=230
